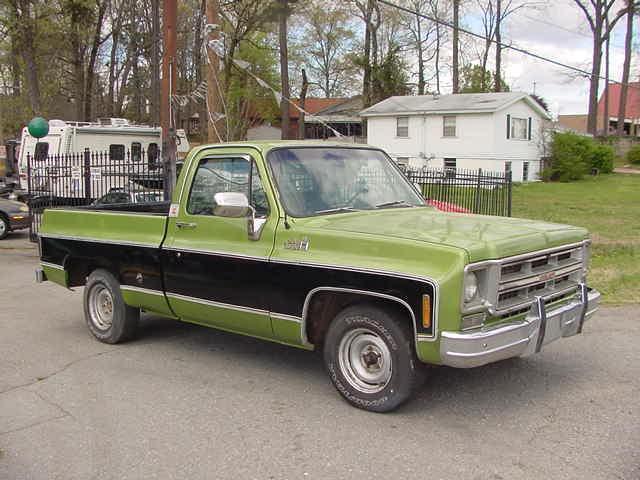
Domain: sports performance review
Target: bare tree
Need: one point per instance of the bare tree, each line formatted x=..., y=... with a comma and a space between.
x=284, y=68
x=628, y=48
x=597, y=12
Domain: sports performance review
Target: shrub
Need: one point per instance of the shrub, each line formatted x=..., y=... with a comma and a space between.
x=570, y=156
x=633, y=155
x=602, y=158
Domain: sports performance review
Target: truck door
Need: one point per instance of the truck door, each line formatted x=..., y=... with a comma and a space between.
x=215, y=274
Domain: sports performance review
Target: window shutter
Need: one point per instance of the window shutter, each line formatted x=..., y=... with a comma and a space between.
x=508, y=126
x=529, y=132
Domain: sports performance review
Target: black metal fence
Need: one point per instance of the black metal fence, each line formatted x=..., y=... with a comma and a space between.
x=78, y=179
x=472, y=191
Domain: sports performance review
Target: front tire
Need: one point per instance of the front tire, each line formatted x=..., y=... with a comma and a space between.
x=109, y=319
x=370, y=357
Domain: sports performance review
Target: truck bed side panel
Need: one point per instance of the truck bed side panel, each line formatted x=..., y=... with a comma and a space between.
x=75, y=242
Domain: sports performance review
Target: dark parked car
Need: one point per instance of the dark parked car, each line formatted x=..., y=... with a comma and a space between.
x=123, y=195
x=13, y=216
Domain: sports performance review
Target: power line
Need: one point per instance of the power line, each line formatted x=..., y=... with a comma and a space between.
x=502, y=45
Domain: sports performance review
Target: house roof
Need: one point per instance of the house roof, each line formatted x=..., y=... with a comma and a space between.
x=314, y=105
x=453, y=103
x=632, y=109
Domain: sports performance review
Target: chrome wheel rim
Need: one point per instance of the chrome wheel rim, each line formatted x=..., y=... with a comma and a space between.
x=101, y=307
x=365, y=360
x=3, y=226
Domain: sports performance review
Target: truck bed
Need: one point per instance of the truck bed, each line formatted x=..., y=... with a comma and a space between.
x=126, y=224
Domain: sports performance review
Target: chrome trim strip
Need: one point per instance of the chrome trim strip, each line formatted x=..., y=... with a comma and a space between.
x=217, y=253
x=289, y=318
x=131, y=288
x=305, y=310
x=103, y=212
x=96, y=240
x=211, y=303
x=52, y=265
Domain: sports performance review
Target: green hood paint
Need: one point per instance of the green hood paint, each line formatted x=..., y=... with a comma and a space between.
x=482, y=237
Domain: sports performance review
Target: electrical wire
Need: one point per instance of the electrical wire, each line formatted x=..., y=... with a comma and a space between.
x=505, y=46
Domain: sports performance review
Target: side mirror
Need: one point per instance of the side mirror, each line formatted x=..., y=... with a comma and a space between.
x=231, y=204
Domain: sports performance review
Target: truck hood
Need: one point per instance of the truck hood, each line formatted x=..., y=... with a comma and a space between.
x=483, y=237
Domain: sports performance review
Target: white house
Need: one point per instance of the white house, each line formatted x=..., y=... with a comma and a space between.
x=492, y=131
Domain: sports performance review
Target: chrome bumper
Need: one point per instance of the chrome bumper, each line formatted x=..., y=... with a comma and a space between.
x=525, y=337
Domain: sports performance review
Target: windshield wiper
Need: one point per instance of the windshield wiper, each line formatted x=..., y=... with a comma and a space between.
x=395, y=203
x=336, y=210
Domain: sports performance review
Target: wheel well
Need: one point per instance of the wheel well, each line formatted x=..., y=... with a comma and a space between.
x=324, y=305
x=80, y=268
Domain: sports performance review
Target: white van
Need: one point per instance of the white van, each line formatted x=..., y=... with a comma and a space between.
x=112, y=135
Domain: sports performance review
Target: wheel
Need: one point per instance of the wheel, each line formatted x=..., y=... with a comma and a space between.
x=370, y=357
x=109, y=319
x=4, y=227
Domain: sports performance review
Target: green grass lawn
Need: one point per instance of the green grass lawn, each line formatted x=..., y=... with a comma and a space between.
x=609, y=206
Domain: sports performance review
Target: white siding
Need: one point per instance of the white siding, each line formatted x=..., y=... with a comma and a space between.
x=480, y=141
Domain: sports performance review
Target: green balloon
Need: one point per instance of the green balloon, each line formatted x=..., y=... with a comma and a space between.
x=38, y=127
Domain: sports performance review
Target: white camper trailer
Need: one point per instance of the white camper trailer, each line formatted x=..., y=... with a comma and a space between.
x=115, y=136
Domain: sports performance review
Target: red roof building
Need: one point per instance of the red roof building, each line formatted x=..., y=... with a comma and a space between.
x=632, y=110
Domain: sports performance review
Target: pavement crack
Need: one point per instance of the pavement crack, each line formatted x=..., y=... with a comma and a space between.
x=52, y=403
x=31, y=425
x=65, y=367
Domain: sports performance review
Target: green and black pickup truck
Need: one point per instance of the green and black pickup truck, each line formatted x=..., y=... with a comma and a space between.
x=325, y=246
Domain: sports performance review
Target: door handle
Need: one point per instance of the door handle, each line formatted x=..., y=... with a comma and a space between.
x=186, y=225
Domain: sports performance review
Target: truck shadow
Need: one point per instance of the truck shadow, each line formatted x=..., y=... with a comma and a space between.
x=504, y=387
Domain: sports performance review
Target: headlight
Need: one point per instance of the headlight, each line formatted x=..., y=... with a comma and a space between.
x=24, y=208
x=470, y=287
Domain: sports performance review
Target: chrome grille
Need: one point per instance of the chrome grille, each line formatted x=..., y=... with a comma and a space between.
x=548, y=273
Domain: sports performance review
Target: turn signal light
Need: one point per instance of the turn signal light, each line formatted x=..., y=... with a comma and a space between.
x=426, y=311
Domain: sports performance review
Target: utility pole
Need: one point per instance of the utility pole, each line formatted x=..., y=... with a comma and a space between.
x=167, y=89
x=498, y=79
x=155, y=62
x=456, y=41
x=215, y=127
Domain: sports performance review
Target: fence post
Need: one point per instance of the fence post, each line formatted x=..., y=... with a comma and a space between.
x=29, y=202
x=509, y=177
x=477, y=205
x=87, y=173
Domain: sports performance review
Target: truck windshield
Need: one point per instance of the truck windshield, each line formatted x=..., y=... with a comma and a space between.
x=317, y=181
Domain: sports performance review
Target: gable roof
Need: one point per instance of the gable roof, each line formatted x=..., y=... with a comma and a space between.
x=632, y=109
x=453, y=103
x=314, y=105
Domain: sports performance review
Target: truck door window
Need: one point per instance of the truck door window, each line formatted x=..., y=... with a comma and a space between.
x=215, y=175
x=136, y=151
x=41, y=151
x=116, y=152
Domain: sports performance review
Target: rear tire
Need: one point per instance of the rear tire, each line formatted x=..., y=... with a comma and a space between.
x=109, y=319
x=370, y=357
x=5, y=227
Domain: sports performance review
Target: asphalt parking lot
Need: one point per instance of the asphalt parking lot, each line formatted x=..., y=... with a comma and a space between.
x=187, y=402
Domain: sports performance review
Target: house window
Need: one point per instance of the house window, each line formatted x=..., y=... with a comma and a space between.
x=402, y=127
x=525, y=171
x=116, y=152
x=519, y=128
x=507, y=167
x=449, y=126
x=450, y=167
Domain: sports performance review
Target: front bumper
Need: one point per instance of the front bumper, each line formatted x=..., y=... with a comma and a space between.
x=19, y=221
x=525, y=337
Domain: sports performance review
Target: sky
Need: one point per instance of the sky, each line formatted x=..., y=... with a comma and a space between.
x=557, y=30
